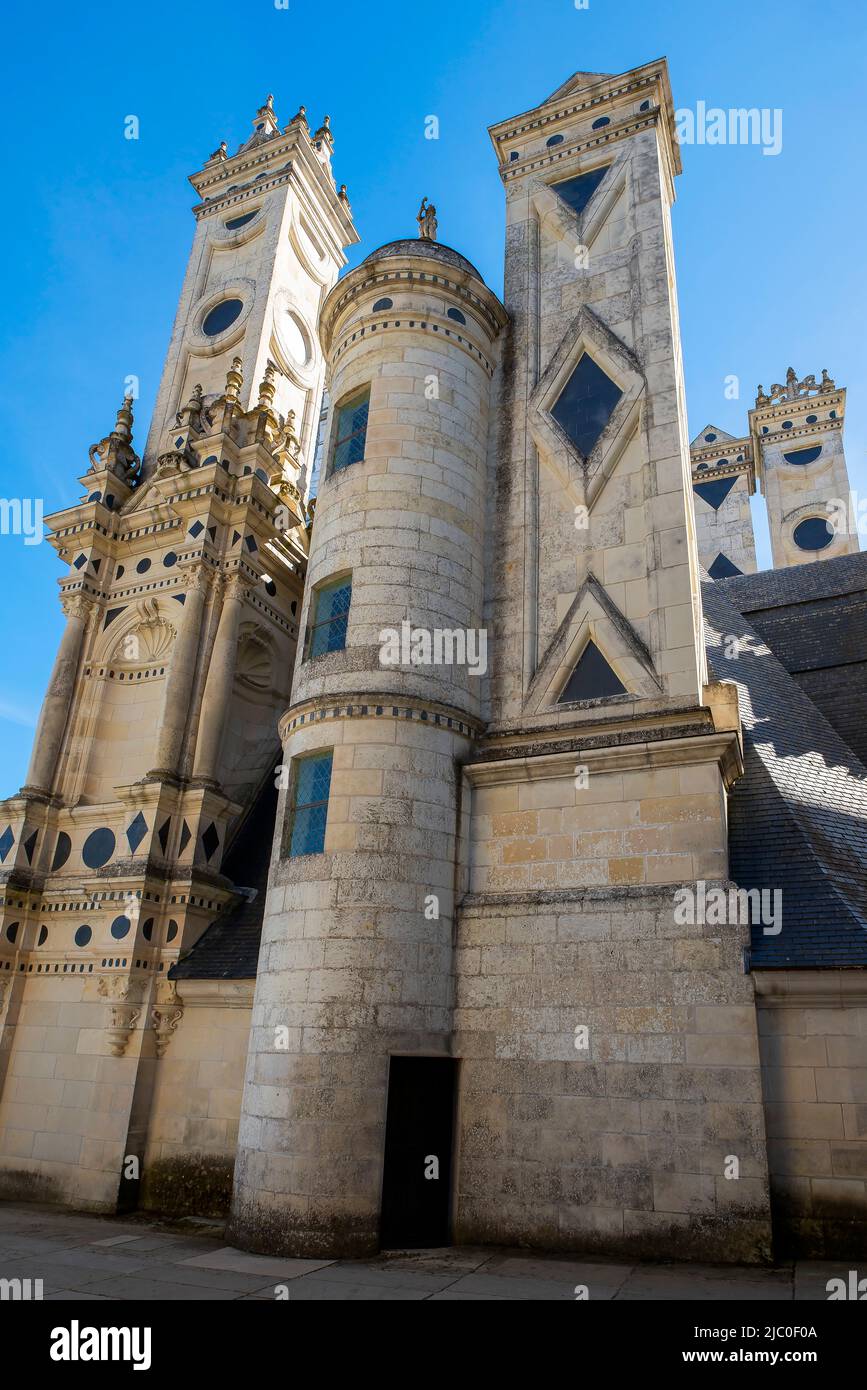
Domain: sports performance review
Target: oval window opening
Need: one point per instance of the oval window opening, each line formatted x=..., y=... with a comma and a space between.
x=221, y=317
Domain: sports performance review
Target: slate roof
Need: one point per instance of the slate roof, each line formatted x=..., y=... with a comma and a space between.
x=798, y=817
x=229, y=948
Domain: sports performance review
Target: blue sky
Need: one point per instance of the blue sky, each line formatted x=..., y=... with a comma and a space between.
x=770, y=257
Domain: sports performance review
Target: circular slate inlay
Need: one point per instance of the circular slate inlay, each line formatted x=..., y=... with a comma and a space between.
x=456, y=315
x=554, y=140
x=172, y=931
x=12, y=931
x=813, y=533
x=98, y=848
x=147, y=930
x=143, y=566
x=43, y=936
x=169, y=559
x=120, y=927
x=221, y=317
x=383, y=304
x=82, y=936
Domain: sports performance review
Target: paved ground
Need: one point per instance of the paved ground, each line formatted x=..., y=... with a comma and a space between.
x=90, y=1257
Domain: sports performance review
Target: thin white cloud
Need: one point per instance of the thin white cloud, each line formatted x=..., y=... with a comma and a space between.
x=11, y=713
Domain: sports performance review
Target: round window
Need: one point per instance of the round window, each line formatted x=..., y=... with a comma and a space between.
x=221, y=317
x=813, y=533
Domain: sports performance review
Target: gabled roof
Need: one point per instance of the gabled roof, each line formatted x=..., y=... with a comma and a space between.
x=722, y=437
x=798, y=817
x=576, y=82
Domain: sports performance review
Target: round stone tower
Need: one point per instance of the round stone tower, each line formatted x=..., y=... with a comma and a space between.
x=355, y=966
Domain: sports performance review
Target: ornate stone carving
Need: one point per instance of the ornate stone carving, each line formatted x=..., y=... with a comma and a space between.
x=149, y=640
x=125, y=1010
x=76, y=606
x=219, y=152
x=427, y=221
x=115, y=451
x=793, y=389
x=166, y=1014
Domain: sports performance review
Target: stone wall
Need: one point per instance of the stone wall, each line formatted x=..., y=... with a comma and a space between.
x=813, y=1042
x=621, y=1147
x=193, y=1123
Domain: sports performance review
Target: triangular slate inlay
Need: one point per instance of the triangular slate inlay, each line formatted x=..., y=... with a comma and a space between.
x=186, y=836
x=163, y=834
x=723, y=568
x=577, y=192
x=715, y=492
x=592, y=678
x=30, y=845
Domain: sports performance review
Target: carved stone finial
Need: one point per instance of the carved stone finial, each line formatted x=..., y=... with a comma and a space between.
x=190, y=415
x=827, y=382
x=219, y=152
x=300, y=118
x=761, y=398
x=323, y=135
x=115, y=451
x=268, y=386
x=427, y=221
x=343, y=195
x=234, y=381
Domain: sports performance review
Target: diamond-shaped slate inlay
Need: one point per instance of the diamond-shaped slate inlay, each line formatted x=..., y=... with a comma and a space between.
x=30, y=845
x=136, y=832
x=79, y=561
x=210, y=840
x=163, y=834
x=586, y=404
x=592, y=678
x=7, y=840
x=186, y=836
x=723, y=568
x=715, y=492
x=250, y=542
x=577, y=192
x=196, y=529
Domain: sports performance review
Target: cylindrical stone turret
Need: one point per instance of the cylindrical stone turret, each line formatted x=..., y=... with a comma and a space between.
x=355, y=963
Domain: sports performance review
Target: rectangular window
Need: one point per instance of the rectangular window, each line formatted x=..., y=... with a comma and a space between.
x=350, y=431
x=329, y=617
x=309, y=813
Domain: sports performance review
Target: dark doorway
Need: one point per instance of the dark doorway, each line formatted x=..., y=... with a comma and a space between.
x=416, y=1182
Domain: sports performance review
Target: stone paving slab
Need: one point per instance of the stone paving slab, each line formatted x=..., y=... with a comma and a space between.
x=94, y=1258
x=243, y=1263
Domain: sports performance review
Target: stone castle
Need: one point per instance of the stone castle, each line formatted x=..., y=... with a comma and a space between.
x=562, y=945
